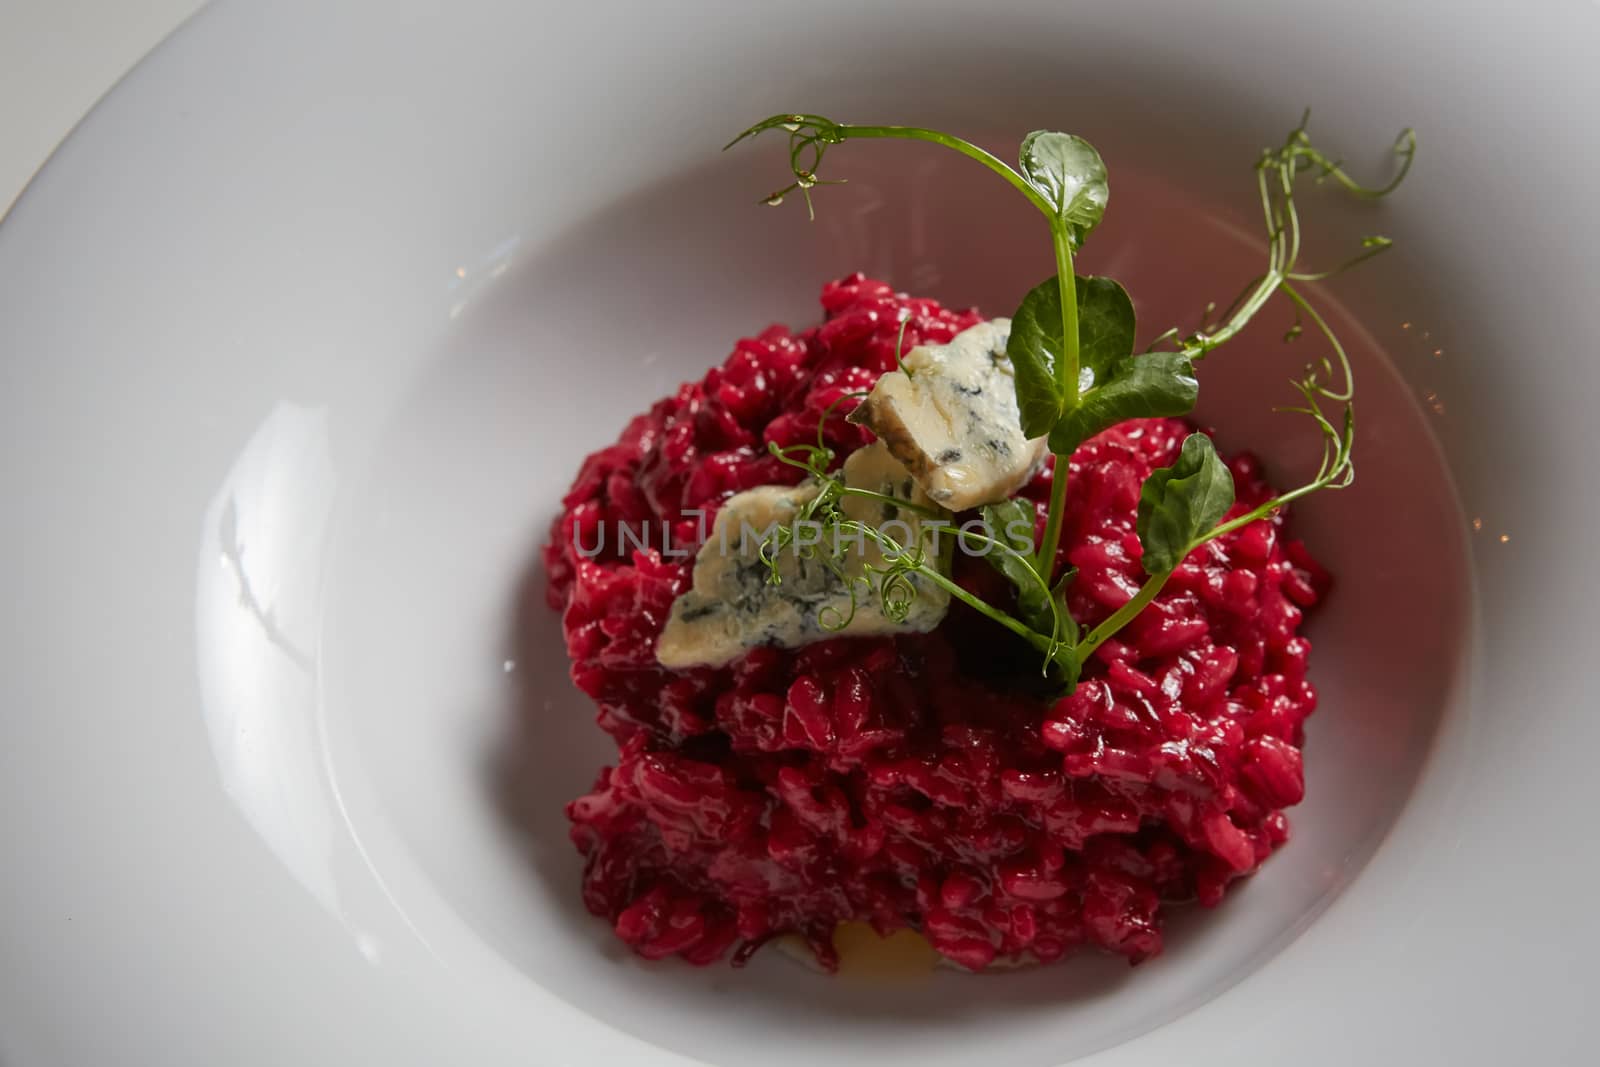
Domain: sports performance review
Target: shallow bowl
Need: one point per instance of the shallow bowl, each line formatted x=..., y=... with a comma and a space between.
x=300, y=356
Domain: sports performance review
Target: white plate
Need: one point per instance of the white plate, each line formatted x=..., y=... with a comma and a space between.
x=308, y=324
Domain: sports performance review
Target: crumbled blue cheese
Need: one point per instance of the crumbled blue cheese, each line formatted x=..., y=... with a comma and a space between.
x=733, y=607
x=953, y=420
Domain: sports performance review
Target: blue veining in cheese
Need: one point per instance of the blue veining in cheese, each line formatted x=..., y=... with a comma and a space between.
x=953, y=420
x=732, y=606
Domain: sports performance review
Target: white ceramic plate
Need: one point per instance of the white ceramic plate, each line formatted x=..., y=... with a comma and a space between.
x=307, y=326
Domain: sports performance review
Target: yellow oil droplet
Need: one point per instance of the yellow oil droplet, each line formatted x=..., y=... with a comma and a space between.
x=903, y=955
x=1505, y=538
x=1477, y=524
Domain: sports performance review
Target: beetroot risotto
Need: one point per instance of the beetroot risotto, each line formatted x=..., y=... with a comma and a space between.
x=911, y=781
x=946, y=624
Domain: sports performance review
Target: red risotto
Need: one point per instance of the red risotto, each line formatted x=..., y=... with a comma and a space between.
x=922, y=781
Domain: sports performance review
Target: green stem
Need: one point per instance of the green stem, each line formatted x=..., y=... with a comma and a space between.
x=1067, y=379
x=1067, y=366
x=1256, y=513
x=891, y=548
x=1265, y=510
x=1323, y=275
x=1126, y=614
x=1022, y=630
x=1122, y=616
x=971, y=151
x=1279, y=262
x=1045, y=562
x=898, y=502
x=1348, y=392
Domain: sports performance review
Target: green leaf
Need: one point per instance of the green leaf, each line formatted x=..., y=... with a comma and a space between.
x=1105, y=326
x=1105, y=336
x=1006, y=523
x=1034, y=348
x=1070, y=669
x=1071, y=176
x=1181, y=503
x=1011, y=523
x=1157, y=385
x=1072, y=633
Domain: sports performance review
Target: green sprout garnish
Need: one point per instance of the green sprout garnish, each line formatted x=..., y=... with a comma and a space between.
x=1072, y=351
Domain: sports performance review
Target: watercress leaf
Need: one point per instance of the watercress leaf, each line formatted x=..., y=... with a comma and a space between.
x=1071, y=632
x=1180, y=503
x=1105, y=336
x=1034, y=348
x=1011, y=523
x=1105, y=327
x=1071, y=176
x=1060, y=588
x=1156, y=385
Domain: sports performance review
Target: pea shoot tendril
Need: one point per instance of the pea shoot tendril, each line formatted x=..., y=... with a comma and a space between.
x=1077, y=375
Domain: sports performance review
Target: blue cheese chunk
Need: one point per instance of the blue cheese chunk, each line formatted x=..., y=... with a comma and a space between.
x=953, y=420
x=733, y=606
